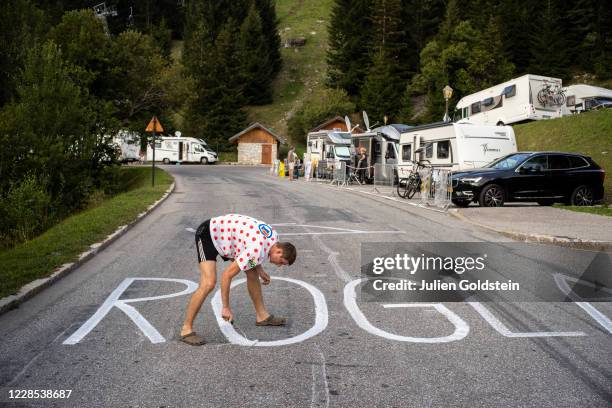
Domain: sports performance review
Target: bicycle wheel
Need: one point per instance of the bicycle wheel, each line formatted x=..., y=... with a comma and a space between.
x=414, y=185
x=401, y=187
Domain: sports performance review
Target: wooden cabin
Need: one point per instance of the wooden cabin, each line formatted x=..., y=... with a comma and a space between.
x=257, y=144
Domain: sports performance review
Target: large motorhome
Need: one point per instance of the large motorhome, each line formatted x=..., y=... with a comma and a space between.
x=170, y=149
x=381, y=145
x=454, y=146
x=529, y=97
x=582, y=97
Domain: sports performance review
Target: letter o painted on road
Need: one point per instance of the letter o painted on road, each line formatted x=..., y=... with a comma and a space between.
x=321, y=318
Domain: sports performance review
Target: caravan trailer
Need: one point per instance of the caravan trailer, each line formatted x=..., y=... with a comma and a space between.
x=582, y=98
x=455, y=146
x=181, y=150
x=529, y=97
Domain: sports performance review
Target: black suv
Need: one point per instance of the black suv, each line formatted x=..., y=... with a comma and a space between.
x=543, y=177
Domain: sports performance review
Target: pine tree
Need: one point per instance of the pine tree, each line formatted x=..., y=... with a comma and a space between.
x=269, y=27
x=421, y=19
x=23, y=26
x=382, y=90
x=350, y=37
x=255, y=67
x=548, y=49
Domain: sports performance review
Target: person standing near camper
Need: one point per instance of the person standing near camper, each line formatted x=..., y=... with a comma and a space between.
x=247, y=243
x=291, y=157
x=362, y=164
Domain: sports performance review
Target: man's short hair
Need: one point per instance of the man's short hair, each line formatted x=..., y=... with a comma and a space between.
x=289, y=251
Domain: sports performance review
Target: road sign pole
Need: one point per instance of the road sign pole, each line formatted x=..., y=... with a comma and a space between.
x=153, y=164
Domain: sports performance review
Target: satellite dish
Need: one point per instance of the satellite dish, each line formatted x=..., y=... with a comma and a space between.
x=347, y=121
x=366, y=121
x=177, y=133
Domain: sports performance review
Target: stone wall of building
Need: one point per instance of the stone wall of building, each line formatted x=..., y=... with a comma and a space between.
x=250, y=153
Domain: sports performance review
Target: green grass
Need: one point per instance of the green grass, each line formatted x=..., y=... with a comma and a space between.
x=587, y=133
x=591, y=210
x=63, y=243
x=304, y=68
x=228, y=156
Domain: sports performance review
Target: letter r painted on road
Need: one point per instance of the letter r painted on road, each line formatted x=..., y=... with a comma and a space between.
x=114, y=301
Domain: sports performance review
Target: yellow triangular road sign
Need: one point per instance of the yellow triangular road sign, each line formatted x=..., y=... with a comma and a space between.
x=154, y=124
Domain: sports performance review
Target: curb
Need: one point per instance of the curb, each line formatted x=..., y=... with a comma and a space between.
x=32, y=288
x=568, y=242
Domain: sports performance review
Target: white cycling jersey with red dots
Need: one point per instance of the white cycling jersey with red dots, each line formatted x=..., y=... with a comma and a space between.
x=242, y=238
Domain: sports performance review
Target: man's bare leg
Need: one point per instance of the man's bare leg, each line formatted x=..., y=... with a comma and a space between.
x=254, y=287
x=208, y=280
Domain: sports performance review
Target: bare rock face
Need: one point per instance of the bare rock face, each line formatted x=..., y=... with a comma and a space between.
x=295, y=42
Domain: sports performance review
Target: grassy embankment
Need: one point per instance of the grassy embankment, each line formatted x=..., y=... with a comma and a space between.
x=588, y=133
x=63, y=242
x=304, y=68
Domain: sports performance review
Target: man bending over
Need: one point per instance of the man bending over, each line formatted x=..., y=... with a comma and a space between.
x=247, y=242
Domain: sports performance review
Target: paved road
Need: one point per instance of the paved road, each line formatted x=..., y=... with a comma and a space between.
x=345, y=365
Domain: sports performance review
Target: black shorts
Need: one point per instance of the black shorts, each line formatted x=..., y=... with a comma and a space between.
x=204, y=246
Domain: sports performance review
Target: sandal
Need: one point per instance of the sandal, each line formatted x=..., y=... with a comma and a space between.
x=193, y=339
x=272, y=321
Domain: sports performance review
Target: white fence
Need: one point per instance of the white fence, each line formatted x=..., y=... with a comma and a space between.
x=436, y=187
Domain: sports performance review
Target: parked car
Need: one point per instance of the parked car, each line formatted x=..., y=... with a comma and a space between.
x=542, y=177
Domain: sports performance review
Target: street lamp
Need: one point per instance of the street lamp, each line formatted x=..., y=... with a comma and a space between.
x=448, y=93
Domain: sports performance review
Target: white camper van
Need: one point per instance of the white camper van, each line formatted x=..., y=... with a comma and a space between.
x=129, y=145
x=529, y=97
x=456, y=146
x=329, y=144
x=581, y=98
x=181, y=149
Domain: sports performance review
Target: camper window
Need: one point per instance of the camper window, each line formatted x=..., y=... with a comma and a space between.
x=390, y=151
x=158, y=144
x=509, y=91
x=475, y=108
x=429, y=151
x=443, y=149
x=407, y=152
x=464, y=112
x=488, y=102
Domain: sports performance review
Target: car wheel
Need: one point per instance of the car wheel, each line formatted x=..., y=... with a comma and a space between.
x=166, y=161
x=545, y=203
x=461, y=203
x=582, y=196
x=492, y=196
x=203, y=160
x=500, y=123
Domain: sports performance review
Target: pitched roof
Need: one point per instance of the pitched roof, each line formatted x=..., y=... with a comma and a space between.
x=260, y=126
x=327, y=122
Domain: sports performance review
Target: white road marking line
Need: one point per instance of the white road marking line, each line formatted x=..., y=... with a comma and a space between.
x=190, y=229
x=561, y=281
x=321, y=317
x=504, y=331
x=113, y=300
x=350, y=302
x=332, y=258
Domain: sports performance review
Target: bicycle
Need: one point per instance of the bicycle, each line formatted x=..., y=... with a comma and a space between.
x=551, y=94
x=408, y=186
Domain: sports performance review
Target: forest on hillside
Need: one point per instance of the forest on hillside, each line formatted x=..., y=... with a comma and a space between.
x=416, y=47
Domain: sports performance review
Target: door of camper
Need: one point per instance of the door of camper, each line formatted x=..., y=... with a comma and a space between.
x=477, y=146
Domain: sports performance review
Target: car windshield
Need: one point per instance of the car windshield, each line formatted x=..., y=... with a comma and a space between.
x=508, y=162
x=342, y=151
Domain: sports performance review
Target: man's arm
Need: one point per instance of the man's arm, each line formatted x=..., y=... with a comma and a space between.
x=265, y=278
x=226, y=279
